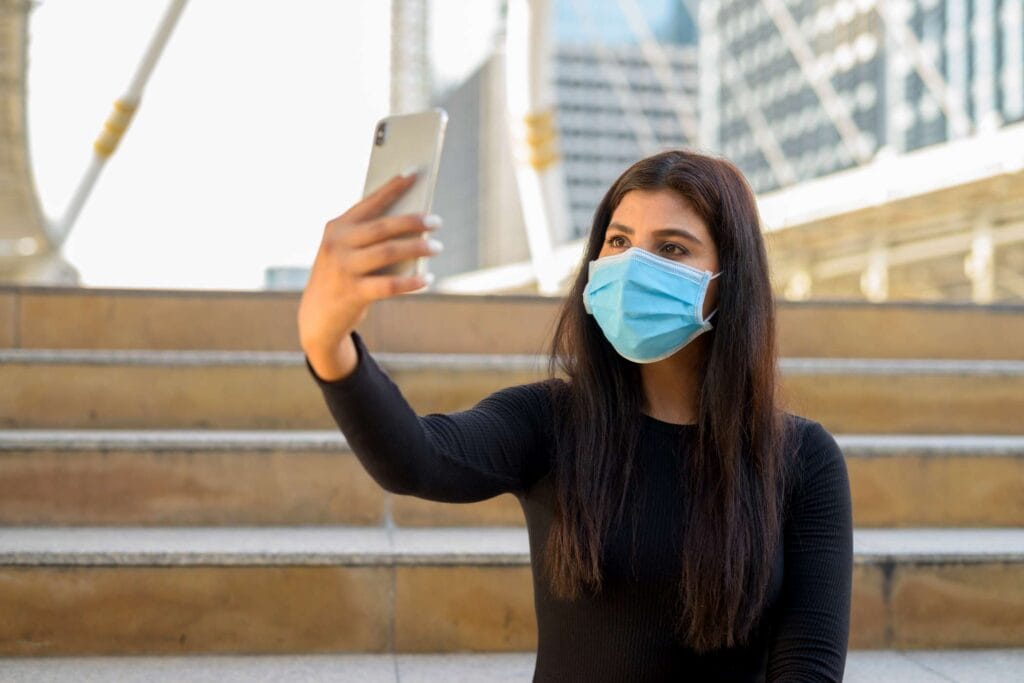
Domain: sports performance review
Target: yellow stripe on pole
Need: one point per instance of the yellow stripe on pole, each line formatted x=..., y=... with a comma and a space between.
x=541, y=138
x=541, y=162
x=114, y=127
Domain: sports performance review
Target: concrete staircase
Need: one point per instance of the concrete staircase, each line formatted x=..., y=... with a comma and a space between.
x=912, y=666
x=172, y=484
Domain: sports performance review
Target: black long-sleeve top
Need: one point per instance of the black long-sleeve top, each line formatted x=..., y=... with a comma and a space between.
x=624, y=632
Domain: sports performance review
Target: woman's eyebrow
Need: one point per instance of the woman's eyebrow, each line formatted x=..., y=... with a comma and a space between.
x=678, y=232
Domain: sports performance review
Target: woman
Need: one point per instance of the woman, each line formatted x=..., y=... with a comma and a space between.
x=682, y=526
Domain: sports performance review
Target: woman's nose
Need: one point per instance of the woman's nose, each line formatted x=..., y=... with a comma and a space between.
x=651, y=247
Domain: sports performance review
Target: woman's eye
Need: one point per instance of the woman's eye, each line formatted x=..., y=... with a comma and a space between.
x=616, y=241
x=675, y=249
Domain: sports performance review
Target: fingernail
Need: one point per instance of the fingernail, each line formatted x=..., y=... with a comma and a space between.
x=428, y=279
x=435, y=246
x=410, y=171
x=433, y=221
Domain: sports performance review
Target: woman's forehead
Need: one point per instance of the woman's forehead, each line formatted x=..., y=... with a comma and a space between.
x=649, y=210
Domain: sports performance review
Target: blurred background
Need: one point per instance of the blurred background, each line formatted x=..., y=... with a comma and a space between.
x=884, y=139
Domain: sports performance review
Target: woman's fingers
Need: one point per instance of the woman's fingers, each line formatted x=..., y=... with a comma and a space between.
x=389, y=252
x=378, y=201
x=389, y=227
x=376, y=287
x=342, y=283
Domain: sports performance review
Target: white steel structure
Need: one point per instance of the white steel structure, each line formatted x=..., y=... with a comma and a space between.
x=939, y=223
x=410, y=64
x=885, y=139
x=894, y=118
x=535, y=148
x=29, y=245
x=887, y=169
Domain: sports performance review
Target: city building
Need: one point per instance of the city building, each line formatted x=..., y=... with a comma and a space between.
x=612, y=109
x=618, y=98
x=809, y=87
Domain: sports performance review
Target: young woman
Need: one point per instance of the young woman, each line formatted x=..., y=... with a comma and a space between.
x=682, y=525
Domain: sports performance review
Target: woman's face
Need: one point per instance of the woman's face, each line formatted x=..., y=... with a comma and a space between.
x=663, y=223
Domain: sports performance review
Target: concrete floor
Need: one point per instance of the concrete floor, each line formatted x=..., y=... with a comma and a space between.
x=920, y=666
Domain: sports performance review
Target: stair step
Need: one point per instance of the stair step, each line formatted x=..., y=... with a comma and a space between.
x=469, y=362
x=228, y=390
x=272, y=390
x=449, y=362
x=57, y=317
x=184, y=590
x=921, y=396
x=934, y=666
x=108, y=319
x=865, y=666
x=95, y=477
x=370, y=546
x=203, y=477
x=258, y=546
x=935, y=480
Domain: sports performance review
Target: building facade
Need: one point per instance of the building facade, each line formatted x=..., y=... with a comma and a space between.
x=613, y=107
x=900, y=74
x=615, y=102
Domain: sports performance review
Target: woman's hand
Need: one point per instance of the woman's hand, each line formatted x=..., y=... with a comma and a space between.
x=341, y=286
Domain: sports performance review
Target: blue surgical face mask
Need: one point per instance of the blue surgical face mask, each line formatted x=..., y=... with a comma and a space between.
x=648, y=306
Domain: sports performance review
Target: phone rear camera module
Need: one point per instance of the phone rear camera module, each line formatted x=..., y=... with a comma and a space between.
x=382, y=131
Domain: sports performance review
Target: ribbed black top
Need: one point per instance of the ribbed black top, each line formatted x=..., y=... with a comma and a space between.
x=623, y=633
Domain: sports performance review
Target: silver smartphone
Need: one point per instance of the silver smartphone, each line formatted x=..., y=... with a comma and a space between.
x=400, y=142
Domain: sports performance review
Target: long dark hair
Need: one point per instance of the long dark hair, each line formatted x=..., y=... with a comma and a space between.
x=733, y=480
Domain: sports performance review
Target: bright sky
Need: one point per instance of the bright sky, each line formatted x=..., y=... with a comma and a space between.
x=254, y=129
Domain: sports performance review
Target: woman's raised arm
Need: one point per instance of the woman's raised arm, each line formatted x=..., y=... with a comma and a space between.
x=497, y=446
x=471, y=455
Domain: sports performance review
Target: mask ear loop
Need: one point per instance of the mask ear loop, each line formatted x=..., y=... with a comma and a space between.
x=712, y=313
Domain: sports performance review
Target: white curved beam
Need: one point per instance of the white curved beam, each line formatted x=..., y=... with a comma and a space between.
x=118, y=121
x=530, y=102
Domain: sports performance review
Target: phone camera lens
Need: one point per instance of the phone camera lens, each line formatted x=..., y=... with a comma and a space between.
x=381, y=134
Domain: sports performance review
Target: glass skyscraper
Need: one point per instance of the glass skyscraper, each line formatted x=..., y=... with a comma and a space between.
x=909, y=73
x=616, y=99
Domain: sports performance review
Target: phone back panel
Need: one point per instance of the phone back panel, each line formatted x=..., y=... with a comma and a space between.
x=402, y=141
